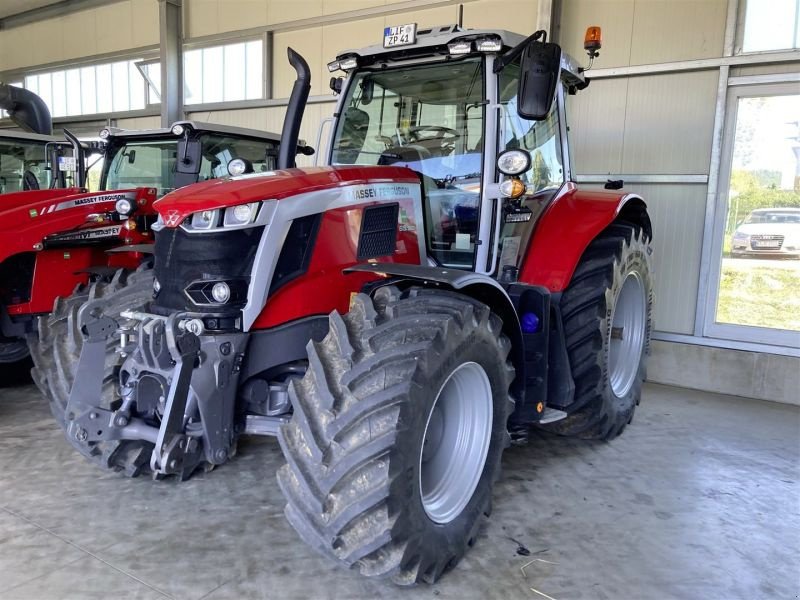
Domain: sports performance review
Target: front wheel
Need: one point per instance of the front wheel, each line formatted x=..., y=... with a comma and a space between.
x=56, y=351
x=607, y=313
x=398, y=429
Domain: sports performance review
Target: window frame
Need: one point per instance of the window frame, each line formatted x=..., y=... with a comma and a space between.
x=21, y=75
x=741, y=25
x=266, y=70
x=783, y=338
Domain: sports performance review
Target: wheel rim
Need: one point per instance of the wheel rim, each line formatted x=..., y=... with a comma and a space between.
x=13, y=351
x=456, y=442
x=627, y=335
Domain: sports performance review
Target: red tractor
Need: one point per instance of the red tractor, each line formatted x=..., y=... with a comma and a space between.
x=395, y=317
x=54, y=240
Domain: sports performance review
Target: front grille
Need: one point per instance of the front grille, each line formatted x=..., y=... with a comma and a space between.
x=766, y=242
x=378, y=231
x=183, y=258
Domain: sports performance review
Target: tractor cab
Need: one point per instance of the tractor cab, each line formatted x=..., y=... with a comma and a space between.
x=188, y=152
x=479, y=115
x=24, y=163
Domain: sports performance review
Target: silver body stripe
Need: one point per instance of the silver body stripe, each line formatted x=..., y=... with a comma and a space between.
x=86, y=200
x=278, y=220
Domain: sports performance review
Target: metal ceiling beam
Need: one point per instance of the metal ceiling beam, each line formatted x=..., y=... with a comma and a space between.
x=59, y=9
x=171, y=54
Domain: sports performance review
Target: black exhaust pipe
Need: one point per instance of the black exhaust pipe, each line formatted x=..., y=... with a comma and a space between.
x=80, y=159
x=26, y=109
x=294, y=112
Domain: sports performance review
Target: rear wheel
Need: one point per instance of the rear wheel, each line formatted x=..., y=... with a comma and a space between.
x=57, y=347
x=607, y=313
x=398, y=429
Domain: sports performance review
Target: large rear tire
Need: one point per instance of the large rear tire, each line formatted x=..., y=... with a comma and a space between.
x=607, y=312
x=57, y=347
x=398, y=429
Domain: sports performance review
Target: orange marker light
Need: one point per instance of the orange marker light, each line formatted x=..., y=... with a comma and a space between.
x=593, y=40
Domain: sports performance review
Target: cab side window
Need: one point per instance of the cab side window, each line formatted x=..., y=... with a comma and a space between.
x=542, y=139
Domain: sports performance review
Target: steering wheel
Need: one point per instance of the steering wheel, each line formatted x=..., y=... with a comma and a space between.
x=452, y=134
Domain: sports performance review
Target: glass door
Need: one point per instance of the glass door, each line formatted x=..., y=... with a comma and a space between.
x=756, y=296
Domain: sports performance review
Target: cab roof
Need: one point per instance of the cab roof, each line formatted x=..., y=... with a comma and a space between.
x=16, y=134
x=198, y=126
x=433, y=41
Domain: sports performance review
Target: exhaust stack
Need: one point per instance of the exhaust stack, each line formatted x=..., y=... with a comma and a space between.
x=80, y=160
x=26, y=109
x=295, y=110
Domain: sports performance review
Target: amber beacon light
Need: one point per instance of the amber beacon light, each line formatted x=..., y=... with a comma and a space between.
x=593, y=41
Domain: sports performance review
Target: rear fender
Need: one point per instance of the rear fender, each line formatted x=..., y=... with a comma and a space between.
x=568, y=226
x=477, y=286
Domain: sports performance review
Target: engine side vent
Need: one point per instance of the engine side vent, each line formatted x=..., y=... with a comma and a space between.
x=378, y=235
x=297, y=251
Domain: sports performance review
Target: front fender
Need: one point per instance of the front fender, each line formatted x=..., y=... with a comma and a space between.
x=568, y=226
x=477, y=286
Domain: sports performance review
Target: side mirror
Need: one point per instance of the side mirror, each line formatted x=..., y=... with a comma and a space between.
x=190, y=152
x=367, y=89
x=131, y=157
x=540, y=69
x=336, y=84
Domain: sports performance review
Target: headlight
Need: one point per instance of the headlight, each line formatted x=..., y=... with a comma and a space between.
x=156, y=286
x=238, y=166
x=489, y=45
x=124, y=206
x=177, y=130
x=241, y=214
x=205, y=219
x=513, y=162
x=346, y=64
x=104, y=133
x=460, y=47
x=221, y=292
x=333, y=66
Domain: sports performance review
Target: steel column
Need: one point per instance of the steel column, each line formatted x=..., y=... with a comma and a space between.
x=171, y=54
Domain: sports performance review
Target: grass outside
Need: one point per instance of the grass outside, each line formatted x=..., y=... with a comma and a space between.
x=762, y=295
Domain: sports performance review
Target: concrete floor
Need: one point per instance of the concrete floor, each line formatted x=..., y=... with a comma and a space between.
x=699, y=499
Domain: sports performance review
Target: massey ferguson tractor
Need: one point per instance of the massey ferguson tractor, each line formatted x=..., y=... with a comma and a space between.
x=54, y=240
x=395, y=318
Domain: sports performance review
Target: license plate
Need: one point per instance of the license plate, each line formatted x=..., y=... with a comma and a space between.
x=67, y=163
x=400, y=35
x=767, y=244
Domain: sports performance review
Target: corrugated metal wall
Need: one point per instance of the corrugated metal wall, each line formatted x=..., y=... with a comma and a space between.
x=118, y=26
x=653, y=125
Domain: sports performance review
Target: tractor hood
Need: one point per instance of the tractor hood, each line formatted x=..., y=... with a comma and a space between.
x=35, y=197
x=271, y=185
x=31, y=225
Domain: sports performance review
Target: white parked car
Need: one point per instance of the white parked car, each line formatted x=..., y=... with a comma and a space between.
x=770, y=232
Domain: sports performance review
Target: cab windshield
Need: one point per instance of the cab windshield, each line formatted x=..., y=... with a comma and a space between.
x=22, y=166
x=152, y=163
x=428, y=118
